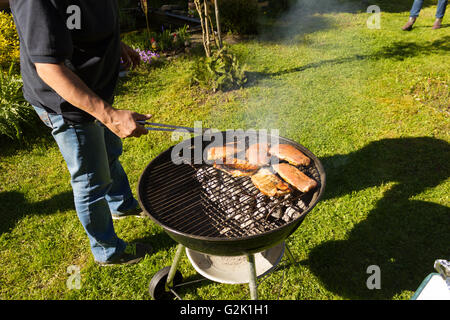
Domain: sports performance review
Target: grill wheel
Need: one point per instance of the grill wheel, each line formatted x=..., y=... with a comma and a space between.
x=157, y=286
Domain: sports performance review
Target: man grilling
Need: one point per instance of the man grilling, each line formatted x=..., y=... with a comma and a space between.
x=70, y=54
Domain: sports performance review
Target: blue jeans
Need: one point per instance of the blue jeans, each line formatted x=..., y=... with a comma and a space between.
x=417, y=6
x=100, y=185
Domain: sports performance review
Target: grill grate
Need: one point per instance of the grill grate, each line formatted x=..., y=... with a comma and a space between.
x=203, y=201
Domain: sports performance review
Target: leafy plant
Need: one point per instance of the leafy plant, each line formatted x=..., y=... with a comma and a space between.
x=220, y=71
x=165, y=40
x=9, y=41
x=239, y=16
x=14, y=110
x=182, y=37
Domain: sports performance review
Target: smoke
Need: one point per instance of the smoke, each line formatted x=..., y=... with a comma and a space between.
x=287, y=54
x=308, y=16
x=290, y=39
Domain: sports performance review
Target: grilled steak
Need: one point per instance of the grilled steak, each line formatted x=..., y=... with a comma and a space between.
x=223, y=152
x=269, y=184
x=290, y=154
x=295, y=177
x=258, y=154
x=229, y=158
x=239, y=164
x=234, y=172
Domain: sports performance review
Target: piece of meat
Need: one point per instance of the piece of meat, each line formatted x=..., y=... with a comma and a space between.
x=269, y=184
x=234, y=172
x=239, y=164
x=290, y=154
x=223, y=152
x=295, y=177
x=258, y=154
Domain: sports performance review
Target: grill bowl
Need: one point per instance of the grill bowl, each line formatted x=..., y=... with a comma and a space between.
x=167, y=190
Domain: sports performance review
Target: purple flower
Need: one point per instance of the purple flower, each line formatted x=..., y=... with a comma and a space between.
x=147, y=56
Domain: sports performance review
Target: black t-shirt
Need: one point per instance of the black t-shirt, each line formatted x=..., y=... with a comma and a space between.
x=83, y=34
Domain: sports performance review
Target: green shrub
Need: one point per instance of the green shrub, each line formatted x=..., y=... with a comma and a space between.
x=221, y=71
x=165, y=41
x=9, y=41
x=15, y=112
x=239, y=16
x=183, y=38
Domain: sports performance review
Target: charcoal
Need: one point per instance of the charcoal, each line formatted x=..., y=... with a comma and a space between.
x=224, y=230
x=244, y=206
x=301, y=204
x=213, y=198
x=291, y=212
x=277, y=213
x=247, y=208
x=200, y=175
x=234, y=192
x=260, y=196
x=245, y=198
x=261, y=210
x=259, y=215
x=248, y=184
x=286, y=218
x=230, y=212
x=246, y=224
x=296, y=215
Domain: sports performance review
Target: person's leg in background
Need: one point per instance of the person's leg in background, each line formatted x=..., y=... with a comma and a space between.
x=440, y=12
x=413, y=14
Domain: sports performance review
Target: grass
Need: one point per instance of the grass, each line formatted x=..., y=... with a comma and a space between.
x=360, y=99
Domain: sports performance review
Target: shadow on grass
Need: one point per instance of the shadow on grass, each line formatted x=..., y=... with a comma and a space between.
x=33, y=134
x=159, y=241
x=405, y=49
x=15, y=206
x=398, y=51
x=401, y=235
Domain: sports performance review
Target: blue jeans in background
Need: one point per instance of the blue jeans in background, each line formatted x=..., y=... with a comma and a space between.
x=417, y=6
x=100, y=185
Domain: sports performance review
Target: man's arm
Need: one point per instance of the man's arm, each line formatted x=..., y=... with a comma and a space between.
x=72, y=89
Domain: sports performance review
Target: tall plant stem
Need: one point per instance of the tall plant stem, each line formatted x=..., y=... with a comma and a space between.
x=219, y=34
x=198, y=6
x=208, y=40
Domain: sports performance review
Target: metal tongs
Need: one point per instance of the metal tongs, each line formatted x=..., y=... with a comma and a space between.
x=165, y=127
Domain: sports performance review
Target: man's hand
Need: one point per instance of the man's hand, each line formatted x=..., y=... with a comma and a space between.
x=123, y=123
x=130, y=58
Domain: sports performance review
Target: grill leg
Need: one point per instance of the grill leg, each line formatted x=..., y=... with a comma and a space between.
x=173, y=267
x=252, y=282
x=289, y=254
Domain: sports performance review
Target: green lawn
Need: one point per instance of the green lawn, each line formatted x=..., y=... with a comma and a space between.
x=372, y=104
